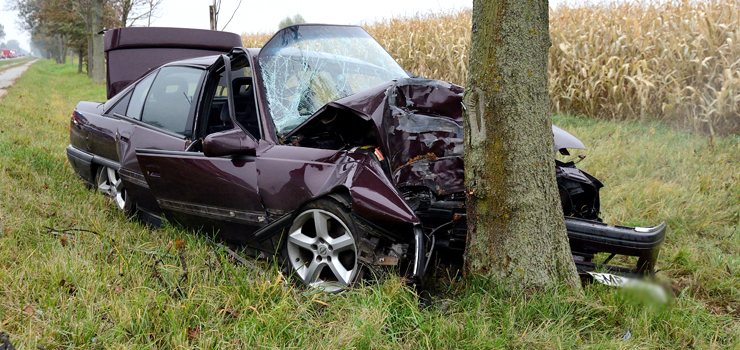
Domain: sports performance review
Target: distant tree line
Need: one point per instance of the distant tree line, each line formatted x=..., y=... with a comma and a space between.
x=287, y=21
x=60, y=26
x=11, y=44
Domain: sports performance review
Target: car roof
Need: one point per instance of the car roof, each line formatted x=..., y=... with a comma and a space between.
x=203, y=62
x=206, y=61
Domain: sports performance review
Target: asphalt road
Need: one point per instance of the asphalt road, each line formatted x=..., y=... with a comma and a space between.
x=8, y=76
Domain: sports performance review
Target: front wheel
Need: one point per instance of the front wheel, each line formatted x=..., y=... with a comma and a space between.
x=321, y=247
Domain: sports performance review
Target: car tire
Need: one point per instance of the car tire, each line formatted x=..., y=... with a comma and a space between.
x=108, y=182
x=321, y=247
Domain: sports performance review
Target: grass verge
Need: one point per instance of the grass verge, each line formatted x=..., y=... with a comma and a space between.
x=121, y=285
x=11, y=63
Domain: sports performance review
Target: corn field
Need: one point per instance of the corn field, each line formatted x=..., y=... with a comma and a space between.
x=255, y=39
x=676, y=61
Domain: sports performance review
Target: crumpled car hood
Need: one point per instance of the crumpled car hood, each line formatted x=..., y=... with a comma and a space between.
x=419, y=127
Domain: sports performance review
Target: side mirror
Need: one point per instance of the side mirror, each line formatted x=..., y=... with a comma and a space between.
x=229, y=143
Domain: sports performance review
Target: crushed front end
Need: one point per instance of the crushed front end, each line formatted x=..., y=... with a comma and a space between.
x=423, y=124
x=413, y=129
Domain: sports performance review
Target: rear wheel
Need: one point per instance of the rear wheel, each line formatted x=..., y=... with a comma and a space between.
x=109, y=182
x=321, y=247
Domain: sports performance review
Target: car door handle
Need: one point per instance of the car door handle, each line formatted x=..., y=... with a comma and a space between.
x=153, y=171
x=124, y=136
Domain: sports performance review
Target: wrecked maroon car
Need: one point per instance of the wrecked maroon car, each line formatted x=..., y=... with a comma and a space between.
x=318, y=147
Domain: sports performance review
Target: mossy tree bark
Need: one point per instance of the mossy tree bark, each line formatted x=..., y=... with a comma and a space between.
x=516, y=230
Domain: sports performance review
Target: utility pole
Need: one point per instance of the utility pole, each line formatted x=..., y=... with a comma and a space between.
x=212, y=10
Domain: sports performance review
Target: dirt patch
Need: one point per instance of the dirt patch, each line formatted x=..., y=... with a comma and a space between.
x=9, y=75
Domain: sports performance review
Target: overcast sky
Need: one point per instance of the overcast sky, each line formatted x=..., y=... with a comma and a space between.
x=264, y=16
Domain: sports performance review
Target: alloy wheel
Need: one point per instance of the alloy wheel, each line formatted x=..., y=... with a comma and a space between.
x=322, y=250
x=110, y=183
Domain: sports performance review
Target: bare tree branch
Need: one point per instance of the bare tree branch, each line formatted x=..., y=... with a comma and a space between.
x=154, y=11
x=232, y=15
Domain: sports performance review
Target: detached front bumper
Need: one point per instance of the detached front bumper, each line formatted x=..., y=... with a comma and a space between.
x=588, y=237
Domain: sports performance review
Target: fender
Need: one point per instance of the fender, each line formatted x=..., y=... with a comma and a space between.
x=315, y=173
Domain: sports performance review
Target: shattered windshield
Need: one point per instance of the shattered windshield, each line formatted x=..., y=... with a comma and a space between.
x=304, y=67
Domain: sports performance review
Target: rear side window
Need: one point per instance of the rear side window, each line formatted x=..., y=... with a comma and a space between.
x=168, y=102
x=138, y=97
x=121, y=105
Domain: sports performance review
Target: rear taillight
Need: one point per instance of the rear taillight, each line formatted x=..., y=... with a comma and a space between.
x=75, y=118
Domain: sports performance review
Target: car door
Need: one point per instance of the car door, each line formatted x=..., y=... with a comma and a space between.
x=159, y=116
x=212, y=194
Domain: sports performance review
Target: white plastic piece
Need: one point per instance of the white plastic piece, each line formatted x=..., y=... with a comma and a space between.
x=655, y=291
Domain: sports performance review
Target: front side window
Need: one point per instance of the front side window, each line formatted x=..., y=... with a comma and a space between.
x=170, y=97
x=216, y=101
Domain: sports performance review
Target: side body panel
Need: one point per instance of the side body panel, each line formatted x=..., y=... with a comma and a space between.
x=92, y=139
x=93, y=132
x=133, y=137
x=210, y=194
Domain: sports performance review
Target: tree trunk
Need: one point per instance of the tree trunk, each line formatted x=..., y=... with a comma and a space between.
x=125, y=9
x=63, y=48
x=89, y=56
x=79, y=60
x=59, y=43
x=151, y=12
x=98, y=54
x=515, y=220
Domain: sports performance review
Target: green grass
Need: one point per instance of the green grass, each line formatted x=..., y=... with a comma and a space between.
x=653, y=173
x=95, y=290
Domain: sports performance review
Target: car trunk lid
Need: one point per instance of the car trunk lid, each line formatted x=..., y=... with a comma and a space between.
x=133, y=51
